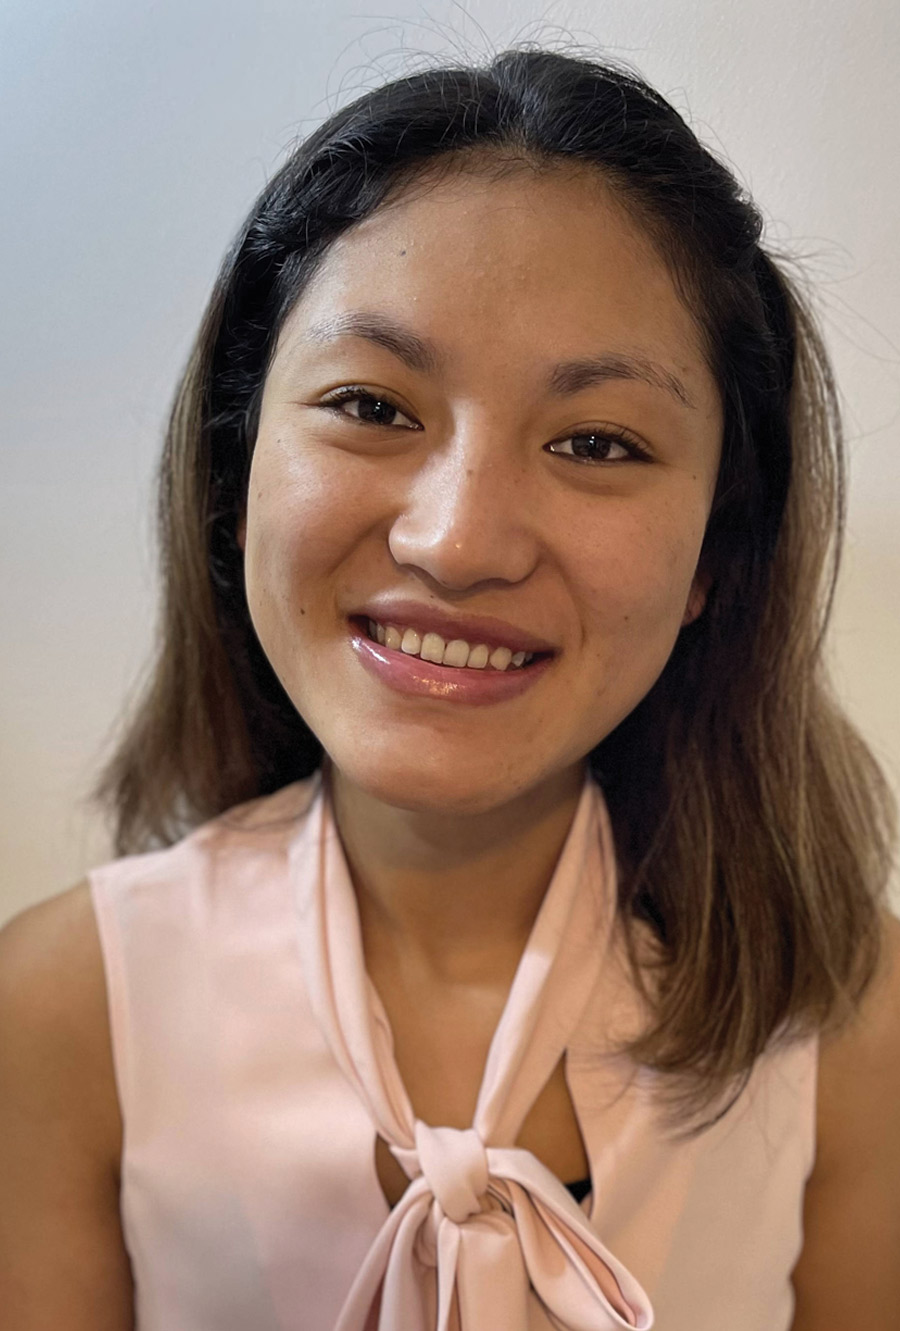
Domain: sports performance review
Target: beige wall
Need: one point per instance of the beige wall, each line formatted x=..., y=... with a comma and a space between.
x=135, y=136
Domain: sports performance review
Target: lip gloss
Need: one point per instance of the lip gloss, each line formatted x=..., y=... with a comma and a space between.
x=424, y=679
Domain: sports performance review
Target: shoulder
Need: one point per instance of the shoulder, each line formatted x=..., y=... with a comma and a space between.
x=50, y=946
x=859, y=1070
x=63, y=1257
x=852, y=1204
x=54, y=1024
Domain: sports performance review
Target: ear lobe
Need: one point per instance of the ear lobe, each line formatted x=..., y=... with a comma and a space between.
x=696, y=598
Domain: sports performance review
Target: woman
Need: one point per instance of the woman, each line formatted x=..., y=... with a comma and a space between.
x=498, y=936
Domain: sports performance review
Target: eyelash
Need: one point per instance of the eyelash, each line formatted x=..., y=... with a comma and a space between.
x=637, y=453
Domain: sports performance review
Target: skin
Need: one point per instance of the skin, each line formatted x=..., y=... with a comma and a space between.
x=473, y=512
x=435, y=801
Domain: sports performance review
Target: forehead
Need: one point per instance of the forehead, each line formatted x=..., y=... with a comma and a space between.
x=524, y=265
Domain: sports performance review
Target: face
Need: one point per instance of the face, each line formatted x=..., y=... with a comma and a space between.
x=521, y=428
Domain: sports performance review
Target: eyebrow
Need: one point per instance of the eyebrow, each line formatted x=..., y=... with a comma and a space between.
x=563, y=379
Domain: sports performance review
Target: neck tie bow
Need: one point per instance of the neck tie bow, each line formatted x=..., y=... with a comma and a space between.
x=485, y=1236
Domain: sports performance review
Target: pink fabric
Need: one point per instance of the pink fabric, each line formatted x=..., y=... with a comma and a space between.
x=254, y=1069
x=482, y=1222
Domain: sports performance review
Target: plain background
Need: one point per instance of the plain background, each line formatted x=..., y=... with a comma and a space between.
x=135, y=137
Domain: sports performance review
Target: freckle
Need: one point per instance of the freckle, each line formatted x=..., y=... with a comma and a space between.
x=302, y=611
x=403, y=251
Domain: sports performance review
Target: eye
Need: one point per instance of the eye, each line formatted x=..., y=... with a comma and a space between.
x=606, y=445
x=372, y=408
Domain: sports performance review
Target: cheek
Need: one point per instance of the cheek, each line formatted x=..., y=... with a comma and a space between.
x=635, y=574
x=305, y=513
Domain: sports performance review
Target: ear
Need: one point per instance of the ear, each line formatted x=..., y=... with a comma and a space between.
x=241, y=533
x=697, y=597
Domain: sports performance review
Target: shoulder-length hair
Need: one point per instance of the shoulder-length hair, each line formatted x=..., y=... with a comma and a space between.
x=753, y=827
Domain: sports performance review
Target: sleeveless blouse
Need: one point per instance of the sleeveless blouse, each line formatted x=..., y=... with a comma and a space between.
x=254, y=1067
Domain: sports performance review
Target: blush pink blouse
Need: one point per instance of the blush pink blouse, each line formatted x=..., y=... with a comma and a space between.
x=254, y=1067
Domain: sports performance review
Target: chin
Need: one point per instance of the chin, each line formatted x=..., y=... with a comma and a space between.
x=422, y=785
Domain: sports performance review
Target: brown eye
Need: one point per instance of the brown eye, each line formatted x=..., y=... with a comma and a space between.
x=372, y=409
x=600, y=446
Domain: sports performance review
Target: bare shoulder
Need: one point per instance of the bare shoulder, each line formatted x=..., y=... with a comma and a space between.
x=859, y=1068
x=65, y=920
x=63, y=1259
x=53, y=1001
x=852, y=1203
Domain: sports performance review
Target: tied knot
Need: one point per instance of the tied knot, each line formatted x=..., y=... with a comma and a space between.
x=454, y=1165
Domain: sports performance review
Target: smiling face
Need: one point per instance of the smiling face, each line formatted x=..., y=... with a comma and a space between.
x=491, y=476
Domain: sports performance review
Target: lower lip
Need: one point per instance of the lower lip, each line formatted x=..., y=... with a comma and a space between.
x=424, y=679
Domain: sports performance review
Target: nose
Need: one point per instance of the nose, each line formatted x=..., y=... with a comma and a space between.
x=467, y=514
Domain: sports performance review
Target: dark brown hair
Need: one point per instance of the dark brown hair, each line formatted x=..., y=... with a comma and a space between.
x=752, y=825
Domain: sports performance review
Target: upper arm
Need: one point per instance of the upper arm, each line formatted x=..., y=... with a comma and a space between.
x=63, y=1261
x=849, y=1270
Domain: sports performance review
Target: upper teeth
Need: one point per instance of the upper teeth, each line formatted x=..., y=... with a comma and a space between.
x=456, y=652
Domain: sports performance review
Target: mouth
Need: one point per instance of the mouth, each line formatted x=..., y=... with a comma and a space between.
x=454, y=655
x=488, y=677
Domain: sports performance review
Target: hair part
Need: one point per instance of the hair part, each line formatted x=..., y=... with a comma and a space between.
x=753, y=827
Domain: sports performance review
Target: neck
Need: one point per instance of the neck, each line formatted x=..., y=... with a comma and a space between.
x=455, y=895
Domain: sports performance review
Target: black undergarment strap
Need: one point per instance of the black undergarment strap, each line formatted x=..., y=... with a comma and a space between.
x=580, y=1189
